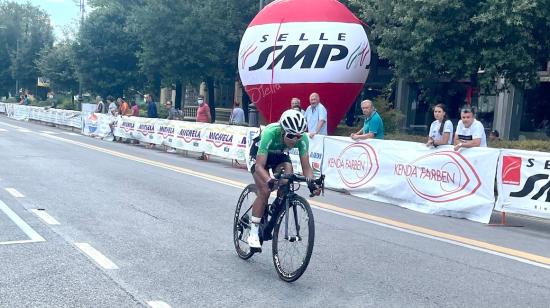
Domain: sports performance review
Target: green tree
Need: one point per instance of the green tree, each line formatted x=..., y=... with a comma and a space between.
x=514, y=40
x=428, y=40
x=105, y=52
x=57, y=64
x=185, y=40
x=24, y=31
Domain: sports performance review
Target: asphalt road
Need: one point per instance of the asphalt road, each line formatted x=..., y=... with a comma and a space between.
x=127, y=226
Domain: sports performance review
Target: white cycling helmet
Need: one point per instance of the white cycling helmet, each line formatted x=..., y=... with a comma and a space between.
x=293, y=122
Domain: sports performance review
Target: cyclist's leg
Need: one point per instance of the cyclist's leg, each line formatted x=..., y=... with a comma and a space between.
x=258, y=208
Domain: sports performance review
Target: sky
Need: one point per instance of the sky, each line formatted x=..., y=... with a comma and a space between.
x=62, y=13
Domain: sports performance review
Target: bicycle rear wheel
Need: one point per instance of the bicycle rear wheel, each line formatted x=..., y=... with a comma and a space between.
x=241, y=221
x=291, y=255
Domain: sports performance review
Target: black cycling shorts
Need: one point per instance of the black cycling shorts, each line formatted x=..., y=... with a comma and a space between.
x=273, y=160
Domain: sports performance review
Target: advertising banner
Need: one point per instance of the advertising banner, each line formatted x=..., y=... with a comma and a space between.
x=2, y=107
x=97, y=124
x=189, y=136
x=20, y=112
x=145, y=131
x=227, y=141
x=523, y=179
x=435, y=181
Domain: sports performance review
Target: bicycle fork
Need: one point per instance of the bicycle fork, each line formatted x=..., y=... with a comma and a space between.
x=295, y=212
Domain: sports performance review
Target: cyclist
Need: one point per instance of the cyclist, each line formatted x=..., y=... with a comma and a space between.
x=272, y=153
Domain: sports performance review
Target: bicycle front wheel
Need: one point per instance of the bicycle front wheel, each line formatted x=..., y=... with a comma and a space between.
x=242, y=220
x=292, y=246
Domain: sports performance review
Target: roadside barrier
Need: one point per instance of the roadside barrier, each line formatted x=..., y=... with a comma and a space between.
x=408, y=174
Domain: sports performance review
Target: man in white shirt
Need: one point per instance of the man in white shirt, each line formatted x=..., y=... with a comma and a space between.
x=316, y=116
x=469, y=131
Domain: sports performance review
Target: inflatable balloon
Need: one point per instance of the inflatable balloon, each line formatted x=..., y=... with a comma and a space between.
x=293, y=48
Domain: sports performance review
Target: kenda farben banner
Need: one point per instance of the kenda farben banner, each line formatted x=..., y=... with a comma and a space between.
x=436, y=181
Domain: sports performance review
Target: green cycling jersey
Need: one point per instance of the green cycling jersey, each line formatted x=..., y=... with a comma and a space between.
x=272, y=141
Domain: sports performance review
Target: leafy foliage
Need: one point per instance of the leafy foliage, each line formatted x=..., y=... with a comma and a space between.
x=57, y=64
x=428, y=40
x=105, y=52
x=24, y=31
x=186, y=40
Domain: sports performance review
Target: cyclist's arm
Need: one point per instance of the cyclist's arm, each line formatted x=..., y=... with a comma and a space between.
x=306, y=167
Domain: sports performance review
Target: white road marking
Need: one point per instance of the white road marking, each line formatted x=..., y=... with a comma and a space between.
x=10, y=125
x=3, y=130
x=24, y=130
x=158, y=304
x=47, y=218
x=14, y=192
x=496, y=253
x=49, y=132
x=71, y=134
x=33, y=235
x=97, y=256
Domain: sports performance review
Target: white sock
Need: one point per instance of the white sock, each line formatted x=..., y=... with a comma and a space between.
x=254, y=228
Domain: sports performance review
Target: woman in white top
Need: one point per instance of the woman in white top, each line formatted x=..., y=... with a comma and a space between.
x=441, y=129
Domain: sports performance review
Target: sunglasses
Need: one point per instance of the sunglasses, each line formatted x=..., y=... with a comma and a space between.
x=293, y=136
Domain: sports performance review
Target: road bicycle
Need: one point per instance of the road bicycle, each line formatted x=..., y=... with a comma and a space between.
x=288, y=222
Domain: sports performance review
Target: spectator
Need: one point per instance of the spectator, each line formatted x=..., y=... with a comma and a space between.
x=172, y=111
x=113, y=108
x=373, y=127
x=203, y=112
x=469, y=131
x=113, y=112
x=295, y=104
x=237, y=115
x=124, y=107
x=441, y=129
x=172, y=115
x=135, y=109
x=100, y=105
x=494, y=135
x=316, y=116
x=203, y=115
x=151, y=107
x=25, y=100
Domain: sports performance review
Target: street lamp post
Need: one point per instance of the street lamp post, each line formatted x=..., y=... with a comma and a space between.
x=17, y=67
x=261, y=4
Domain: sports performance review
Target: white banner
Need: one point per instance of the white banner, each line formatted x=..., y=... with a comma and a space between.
x=189, y=136
x=523, y=179
x=145, y=130
x=57, y=116
x=436, y=181
x=2, y=107
x=227, y=141
x=97, y=124
x=20, y=112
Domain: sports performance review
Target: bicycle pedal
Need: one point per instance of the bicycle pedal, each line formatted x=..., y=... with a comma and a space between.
x=255, y=250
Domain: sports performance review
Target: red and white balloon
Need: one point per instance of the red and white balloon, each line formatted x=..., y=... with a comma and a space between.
x=293, y=48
